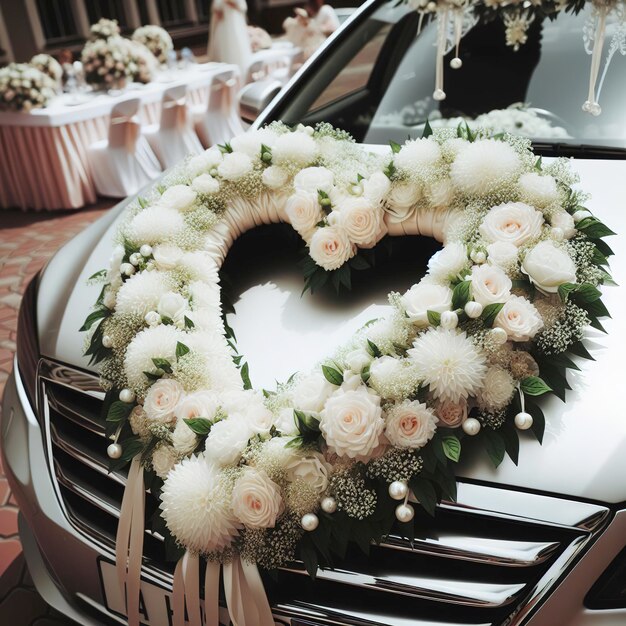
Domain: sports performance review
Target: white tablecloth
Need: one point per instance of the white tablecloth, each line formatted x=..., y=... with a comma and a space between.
x=43, y=153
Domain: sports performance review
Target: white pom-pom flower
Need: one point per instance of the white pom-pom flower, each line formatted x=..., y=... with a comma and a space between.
x=155, y=224
x=538, y=189
x=234, y=166
x=448, y=262
x=205, y=183
x=178, y=197
x=297, y=148
x=418, y=155
x=314, y=179
x=497, y=390
x=142, y=292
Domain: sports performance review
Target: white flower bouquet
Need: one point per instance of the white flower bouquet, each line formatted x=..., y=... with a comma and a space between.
x=103, y=29
x=107, y=63
x=48, y=65
x=156, y=39
x=143, y=65
x=23, y=87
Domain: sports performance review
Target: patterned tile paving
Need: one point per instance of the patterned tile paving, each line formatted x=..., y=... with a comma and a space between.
x=27, y=241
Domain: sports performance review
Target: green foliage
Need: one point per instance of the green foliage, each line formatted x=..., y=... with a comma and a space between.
x=534, y=386
x=332, y=375
x=461, y=294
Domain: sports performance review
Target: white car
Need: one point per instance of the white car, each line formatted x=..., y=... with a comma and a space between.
x=541, y=544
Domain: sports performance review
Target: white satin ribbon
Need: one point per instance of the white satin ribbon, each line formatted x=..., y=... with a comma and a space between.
x=129, y=540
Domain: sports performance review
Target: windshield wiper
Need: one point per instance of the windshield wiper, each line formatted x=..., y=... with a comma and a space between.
x=579, y=151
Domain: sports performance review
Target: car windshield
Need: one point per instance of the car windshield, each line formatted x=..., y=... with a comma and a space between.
x=376, y=81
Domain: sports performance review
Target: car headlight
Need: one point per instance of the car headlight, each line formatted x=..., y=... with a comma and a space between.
x=609, y=592
x=27, y=340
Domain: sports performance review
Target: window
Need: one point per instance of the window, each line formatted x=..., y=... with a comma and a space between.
x=57, y=20
x=203, y=8
x=172, y=12
x=111, y=9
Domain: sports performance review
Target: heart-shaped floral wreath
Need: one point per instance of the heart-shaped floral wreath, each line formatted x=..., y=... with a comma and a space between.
x=264, y=477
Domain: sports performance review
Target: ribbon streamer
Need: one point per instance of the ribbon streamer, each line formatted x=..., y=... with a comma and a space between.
x=591, y=104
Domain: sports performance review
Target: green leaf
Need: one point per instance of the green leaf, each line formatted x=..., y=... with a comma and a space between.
x=373, y=349
x=578, y=349
x=425, y=494
x=152, y=376
x=98, y=274
x=461, y=294
x=309, y=558
x=189, y=323
x=119, y=411
x=451, y=447
x=494, y=445
x=181, y=349
x=511, y=441
x=245, y=376
x=566, y=289
x=434, y=318
x=200, y=425
x=594, y=228
x=332, y=375
x=163, y=364
x=490, y=312
x=365, y=374
x=539, y=420
x=534, y=386
x=395, y=147
x=359, y=262
x=428, y=131
x=131, y=448
x=93, y=317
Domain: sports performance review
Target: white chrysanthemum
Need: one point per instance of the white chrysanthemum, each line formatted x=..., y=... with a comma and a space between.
x=220, y=370
x=142, y=292
x=250, y=143
x=195, y=504
x=417, y=155
x=497, y=389
x=484, y=166
x=202, y=163
x=537, y=189
x=163, y=460
x=297, y=147
x=158, y=342
x=205, y=183
x=155, y=224
x=235, y=166
x=448, y=262
x=184, y=439
x=393, y=379
x=205, y=294
x=274, y=177
x=314, y=179
x=178, y=197
x=449, y=362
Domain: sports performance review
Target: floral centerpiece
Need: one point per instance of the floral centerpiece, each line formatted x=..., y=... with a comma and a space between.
x=103, y=29
x=107, y=62
x=49, y=66
x=143, y=65
x=23, y=87
x=252, y=477
x=156, y=39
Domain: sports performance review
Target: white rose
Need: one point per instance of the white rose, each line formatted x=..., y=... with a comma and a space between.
x=451, y=414
x=205, y=183
x=448, y=262
x=410, y=425
x=401, y=200
x=274, y=177
x=303, y=211
x=184, y=439
x=376, y=187
x=259, y=417
x=286, y=422
x=166, y=256
x=330, y=247
x=537, y=189
x=204, y=162
x=357, y=359
x=178, y=197
x=256, y=499
x=497, y=389
x=502, y=253
x=234, y=166
x=162, y=399
x=297, y=148
x=519, y=318
x=198, y=404
x=227, y=440
x=362, y=221
x=173, y=305
x=314, y=179
x=424, y=297
x=490, y=284
x=352, y=423
x=515, y=222
x=548, y=267
x=383, y=371
x=310, y=468
x=564, y=221
x=163, y=460
x=311, y=392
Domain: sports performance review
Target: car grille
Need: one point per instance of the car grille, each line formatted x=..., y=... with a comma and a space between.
x=489, y=558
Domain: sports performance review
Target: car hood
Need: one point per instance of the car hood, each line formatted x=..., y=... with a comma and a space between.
x=583, y=449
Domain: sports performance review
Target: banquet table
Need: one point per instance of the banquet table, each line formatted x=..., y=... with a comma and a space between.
x=43, y=153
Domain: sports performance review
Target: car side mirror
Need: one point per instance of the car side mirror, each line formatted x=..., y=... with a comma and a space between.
x=254, y=97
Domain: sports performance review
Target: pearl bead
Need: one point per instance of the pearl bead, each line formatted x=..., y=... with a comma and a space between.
x=456, y=63
x=127, y=395
x=478, y=256
x=499, y=335
x=356, y=190
x=587, y=106
x=473, y=309
x=107, y=342
x=310, y=522
x=439, y=94
x=581, y=215
x=449, y=320
x=557, y=233
x=523, y=420
x=595, y=109
x=135, y=257
x=114, y=451
x=152, y=318
x=398, y=490
x=471, y=426
x=145, y=250
x=431, y=6
x=127, y=269
x=328, y=504
x=405, y=513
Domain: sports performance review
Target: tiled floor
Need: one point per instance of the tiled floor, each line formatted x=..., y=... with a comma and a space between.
x=27, y=241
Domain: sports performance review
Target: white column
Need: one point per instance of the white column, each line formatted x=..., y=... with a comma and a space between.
x=191, y=11
x=153, y=12
x=5, y=42
x=133, y=17
x=35, y=25
x=80, y=16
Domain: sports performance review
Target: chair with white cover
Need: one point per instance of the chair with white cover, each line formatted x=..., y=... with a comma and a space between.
x=124, y=162
x=174, y=137
x=219, y=121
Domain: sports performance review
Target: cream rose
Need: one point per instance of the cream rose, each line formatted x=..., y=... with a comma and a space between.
x=314, y=179
x=564, y=221
x=198, y=404
x=310, y=468
x=330, y=247
x=311, y=392
x=502, y=253
x=424, y=297
x=357, y=359
x=274, y=177
x=410, y=425
x=362, y=221
x=178, y=197
x=184, y=439
x=515, y=222
x=163, y=460
x=376, y=187
x=286, y=422
x=166, y=256
x=490, y=284
x=162, y=399
x=234, y=166
x=227, y=440
x=303, y=211
x=548, y=266
x=497, y=389
x=451, y=414
x=352, y=423
x=448, y=262
x=256, y=500
x=205, y=183
x=173, y=305
x=519, y=318
x=401, y=200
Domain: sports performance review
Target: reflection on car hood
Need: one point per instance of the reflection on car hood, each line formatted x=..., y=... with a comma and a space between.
x=582, y=453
